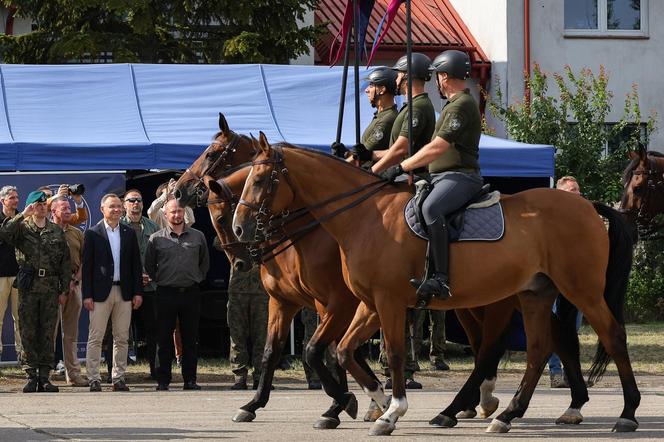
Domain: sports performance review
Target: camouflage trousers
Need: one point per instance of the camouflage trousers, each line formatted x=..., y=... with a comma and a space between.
x=436, y=333
x=310, y=321
x=247, y=321
x=415, y=318
x=38, y=314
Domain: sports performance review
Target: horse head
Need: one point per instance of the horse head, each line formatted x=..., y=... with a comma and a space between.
x=228, y=149
x=222, y=200
x=262, y=196
x=643, y=194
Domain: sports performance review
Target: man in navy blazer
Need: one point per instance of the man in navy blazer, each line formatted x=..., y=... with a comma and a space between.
x=111, y=283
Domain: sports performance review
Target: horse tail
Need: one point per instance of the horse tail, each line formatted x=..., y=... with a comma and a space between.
x=621, y=247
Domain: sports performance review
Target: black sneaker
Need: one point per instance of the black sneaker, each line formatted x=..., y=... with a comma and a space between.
x=191, y=385
x=412, y=384
x=47, y=387
x=440, y=365
x=162, y=387
x=31, y=386
x=95, y=386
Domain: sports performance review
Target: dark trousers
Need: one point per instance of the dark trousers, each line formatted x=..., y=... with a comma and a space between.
x=148, y=312
x=173, y=304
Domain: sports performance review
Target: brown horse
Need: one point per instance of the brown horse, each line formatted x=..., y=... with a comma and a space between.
x=643, y=196
x=485, y=326
x=299, y=277
x=539, y=256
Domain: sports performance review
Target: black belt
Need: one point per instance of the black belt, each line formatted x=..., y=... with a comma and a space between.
x=167, y=288
x=116, y=282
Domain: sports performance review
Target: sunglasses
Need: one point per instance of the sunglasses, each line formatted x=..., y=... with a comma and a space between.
x=134, y=200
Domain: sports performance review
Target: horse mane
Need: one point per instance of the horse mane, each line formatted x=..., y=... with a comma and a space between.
x=283, y=144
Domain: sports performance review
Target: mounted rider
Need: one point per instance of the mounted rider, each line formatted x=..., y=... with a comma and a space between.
x=380, y=92
x=424, y=116
x=452, y=160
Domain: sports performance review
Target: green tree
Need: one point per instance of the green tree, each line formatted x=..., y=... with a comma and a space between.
x=160, y=31
x=574, y=121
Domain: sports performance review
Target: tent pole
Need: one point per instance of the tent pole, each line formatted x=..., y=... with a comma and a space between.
x=409, y=56
x=356, y=65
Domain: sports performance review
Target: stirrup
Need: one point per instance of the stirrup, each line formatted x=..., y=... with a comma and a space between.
x=434, y=287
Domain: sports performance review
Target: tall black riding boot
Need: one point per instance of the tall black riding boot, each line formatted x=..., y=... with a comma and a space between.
x=436, y=284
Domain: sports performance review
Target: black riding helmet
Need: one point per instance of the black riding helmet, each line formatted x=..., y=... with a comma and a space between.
x=419, y=67
x=384, y=76
x=455, y=63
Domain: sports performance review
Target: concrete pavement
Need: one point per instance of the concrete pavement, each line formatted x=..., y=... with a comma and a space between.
x=145, y=414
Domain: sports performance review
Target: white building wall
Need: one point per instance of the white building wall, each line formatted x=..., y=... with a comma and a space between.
x=498, y=27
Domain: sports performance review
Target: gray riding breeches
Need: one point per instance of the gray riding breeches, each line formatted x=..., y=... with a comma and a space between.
x=451, y=190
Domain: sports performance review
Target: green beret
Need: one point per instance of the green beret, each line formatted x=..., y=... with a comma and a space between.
x=36, y=196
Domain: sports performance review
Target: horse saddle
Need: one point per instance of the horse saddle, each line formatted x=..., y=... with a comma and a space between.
x=481, y=219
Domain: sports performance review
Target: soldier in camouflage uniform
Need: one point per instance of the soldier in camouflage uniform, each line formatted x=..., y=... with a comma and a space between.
x=247, y=321
x=310, y=322
x=41, y=249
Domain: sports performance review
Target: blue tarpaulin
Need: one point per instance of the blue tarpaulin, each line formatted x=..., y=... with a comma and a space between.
x=141, y=116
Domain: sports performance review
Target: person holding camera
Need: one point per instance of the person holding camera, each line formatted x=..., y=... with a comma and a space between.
x=43, y=282
x=73, y=191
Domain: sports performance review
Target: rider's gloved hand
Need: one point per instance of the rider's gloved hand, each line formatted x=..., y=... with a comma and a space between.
x=390, y=174
x=339, y=150
x=362, y=153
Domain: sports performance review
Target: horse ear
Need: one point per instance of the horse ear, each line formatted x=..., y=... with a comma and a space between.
x=223, y=124
x=213, y=185
x=263, y=143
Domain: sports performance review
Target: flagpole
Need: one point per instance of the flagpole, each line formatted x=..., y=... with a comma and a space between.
x=356, y=25
x=409, y=56
x=344, y=81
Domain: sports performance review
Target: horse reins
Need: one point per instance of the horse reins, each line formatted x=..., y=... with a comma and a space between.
x=265, y=216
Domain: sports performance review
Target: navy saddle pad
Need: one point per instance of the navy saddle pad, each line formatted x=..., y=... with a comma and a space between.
x=479, y=224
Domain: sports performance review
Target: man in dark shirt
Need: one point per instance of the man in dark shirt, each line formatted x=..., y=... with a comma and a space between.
x=8, y=266
x=177, y=260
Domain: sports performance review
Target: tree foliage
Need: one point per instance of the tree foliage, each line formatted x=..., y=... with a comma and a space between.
x=575, y=122
x=160, y=31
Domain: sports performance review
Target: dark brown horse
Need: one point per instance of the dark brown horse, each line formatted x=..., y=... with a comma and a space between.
x=643, y=196
x=538, y=257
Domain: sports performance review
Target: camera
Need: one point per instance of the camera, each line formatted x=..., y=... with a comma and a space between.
x=76, y=189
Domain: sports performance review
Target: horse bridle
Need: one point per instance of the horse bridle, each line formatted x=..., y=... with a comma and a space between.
x=654, y=183
x=265, y=225
x=232, y=200
x=225, y=159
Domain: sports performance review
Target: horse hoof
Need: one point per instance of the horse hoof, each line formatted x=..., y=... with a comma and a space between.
x=351, y=406
x=489, y=407
x=327, y=423
x=466, y=414
x=498, y=427
x=244, y=416
x=373, y=414
x=443, y=421
x=570, y=417
x=625, y=425
x=381, y=428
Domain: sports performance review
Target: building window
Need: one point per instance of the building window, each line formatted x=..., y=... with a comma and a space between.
x=606, y=18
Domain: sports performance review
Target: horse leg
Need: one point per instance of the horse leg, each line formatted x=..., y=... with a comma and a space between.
x=614, y=340
x=489, y=349
x=280, y=315
x=329, y=328
x=374, y=411
x=536, y=309
x=566, y=345
x=393, y=320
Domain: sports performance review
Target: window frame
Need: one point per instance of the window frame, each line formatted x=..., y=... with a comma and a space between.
x=602, y=30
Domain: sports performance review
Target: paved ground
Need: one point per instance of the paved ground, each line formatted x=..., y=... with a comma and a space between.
x=145, y=414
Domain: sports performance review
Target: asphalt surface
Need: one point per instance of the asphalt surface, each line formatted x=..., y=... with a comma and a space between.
x=144, y=414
